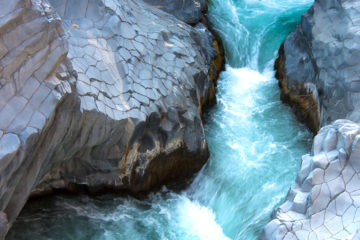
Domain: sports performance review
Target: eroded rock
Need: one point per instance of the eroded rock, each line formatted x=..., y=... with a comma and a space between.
x=98, y=94
x=324, y=202
x=318, y=67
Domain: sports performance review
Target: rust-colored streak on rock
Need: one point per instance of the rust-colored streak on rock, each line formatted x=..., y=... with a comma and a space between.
x=305, y=106
x=217, y=65
x=123, y=166
x=167, y=168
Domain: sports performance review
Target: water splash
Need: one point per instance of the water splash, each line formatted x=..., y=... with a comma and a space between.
x=199, y=221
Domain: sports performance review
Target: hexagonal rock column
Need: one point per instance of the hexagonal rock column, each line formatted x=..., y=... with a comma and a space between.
x=97, y=94
x=32, y=55
x=318, y=66
x=324, y=203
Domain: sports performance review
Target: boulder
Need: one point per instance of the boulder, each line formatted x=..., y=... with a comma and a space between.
x=318, y=67
x=99, y=95
x=324, y=202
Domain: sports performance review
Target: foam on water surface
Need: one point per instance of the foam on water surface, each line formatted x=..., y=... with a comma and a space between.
x=255, y=142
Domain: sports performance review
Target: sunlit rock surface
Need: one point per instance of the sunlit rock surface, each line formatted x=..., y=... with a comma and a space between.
x=98, y=94
x=318, y=65
x=324, y=202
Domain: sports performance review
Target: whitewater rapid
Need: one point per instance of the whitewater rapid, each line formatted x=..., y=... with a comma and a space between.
x=255, y=142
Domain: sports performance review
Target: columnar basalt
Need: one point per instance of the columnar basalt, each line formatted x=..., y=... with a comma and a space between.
x=318, y=67
x=324, y=202
x=318, y=71
x=98, y=94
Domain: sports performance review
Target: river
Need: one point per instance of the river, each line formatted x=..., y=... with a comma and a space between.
x=255, y=141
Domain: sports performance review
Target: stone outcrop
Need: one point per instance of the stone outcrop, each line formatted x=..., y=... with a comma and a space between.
x=318, y=72
x=324, y=202
x=99, y=94
x=318, y=66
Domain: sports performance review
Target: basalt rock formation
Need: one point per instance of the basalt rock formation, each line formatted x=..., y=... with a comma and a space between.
x=324, y=202
x=318, y=66
x=99, y=94
x=318, y=72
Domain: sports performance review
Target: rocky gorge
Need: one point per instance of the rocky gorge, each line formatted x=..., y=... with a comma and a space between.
x=105, y=96
x=100, y=95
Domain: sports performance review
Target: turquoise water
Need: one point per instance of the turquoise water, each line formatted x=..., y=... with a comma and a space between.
x=255, y=143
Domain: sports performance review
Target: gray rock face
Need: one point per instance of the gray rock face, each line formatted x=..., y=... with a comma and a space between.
x=189, y=11
x=318, y=72
x=324, y=202
x=318, y=65
x=98, y=94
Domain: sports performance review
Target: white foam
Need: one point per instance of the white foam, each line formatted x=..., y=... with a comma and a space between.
x=280, y=4
x=246, y=78
x=243, y=85
x=93, y=213
x=268, y=185
x=235, y=145
x=199, y=221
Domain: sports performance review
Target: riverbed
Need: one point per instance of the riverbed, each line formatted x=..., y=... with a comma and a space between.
x=255, y=141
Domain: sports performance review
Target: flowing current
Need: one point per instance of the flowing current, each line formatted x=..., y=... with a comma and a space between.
x=255, y=142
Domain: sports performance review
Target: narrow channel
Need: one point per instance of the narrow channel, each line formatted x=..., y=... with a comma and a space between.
x=256, y=145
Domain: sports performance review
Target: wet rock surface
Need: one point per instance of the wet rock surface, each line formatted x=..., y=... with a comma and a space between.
x=98, y=94
x=318, y=67
x=324, y=202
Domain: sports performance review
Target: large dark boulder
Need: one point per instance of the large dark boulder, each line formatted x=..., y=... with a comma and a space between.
x=99, y=95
